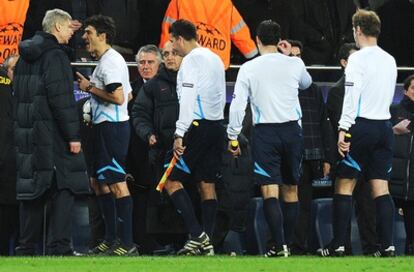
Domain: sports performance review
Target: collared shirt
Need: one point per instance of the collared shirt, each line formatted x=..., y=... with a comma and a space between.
x=271, y=83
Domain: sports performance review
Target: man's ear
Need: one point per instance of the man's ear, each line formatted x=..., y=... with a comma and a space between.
x=358, y=30
x=102, y=36
x=343, y=62
x=58, y=26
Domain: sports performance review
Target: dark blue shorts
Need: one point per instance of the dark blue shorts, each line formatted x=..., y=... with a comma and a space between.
x=371, y=150
x=111, y=147
x=201, y=160
x=277, y=153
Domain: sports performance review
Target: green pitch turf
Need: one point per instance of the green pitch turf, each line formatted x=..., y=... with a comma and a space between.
x=205, y=264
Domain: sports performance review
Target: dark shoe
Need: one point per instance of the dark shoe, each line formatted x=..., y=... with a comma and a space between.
x=72, y=253
x=120, y=250
x=388, y=252
x=101, y=248
x=24, y=251
x=208, y=249
x=166, y=250
x=330, y=251
x=298, y=251
x=410, y=250
x=275, y=251
x=197, y=246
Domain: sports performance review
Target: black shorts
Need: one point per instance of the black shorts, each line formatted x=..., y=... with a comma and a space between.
x=201, y=160
x=277, y=153
x=371, y=151
x=110, y=151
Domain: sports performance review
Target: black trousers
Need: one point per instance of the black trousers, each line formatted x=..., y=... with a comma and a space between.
x=366, y=218
x=59, y=206
x=9, y=223
x=310, y=171
x=408, y=210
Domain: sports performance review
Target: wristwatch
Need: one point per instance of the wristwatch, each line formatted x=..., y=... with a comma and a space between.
x=89, y=87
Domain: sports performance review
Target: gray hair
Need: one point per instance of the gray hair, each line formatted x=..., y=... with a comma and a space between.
x=52, y=17
x=150, y=48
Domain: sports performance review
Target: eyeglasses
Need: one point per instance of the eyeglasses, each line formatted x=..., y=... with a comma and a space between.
x=166, y=54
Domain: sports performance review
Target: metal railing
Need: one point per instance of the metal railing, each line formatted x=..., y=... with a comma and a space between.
x=234, y=66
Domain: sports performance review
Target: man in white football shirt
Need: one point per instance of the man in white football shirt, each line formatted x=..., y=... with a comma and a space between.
x=109, y=87
x=370, y=79
x=201, y=90
x=270, y=83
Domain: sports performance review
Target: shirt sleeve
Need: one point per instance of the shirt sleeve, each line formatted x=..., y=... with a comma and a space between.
x=111, y=74
x=188, y=94
x=238, y=105
x=353, y=88
x=305, y=79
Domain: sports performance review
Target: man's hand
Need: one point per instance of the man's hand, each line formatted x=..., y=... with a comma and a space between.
x=82, y=81
x=76, y=25
x=402, y=127
x=326, y=169
x=284, y=47
x=152, y=140
x=343, y=147
x=75, y=147
x=178, y=147
x=234, y=151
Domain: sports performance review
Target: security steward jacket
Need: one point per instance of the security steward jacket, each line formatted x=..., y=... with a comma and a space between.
x=218, y=24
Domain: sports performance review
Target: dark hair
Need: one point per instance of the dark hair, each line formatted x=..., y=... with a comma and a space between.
x=407, y=82
x=368, y=21
x=345, y=50
x=296, y=43
x=268, y=32
x=183, y=28
x=103, y=24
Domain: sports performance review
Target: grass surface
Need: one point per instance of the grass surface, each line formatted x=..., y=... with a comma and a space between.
x=194, y=264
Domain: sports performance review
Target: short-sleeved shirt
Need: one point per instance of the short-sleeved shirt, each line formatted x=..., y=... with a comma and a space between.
x=111, y=69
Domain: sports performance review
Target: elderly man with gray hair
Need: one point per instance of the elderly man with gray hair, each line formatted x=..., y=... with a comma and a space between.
x=50, y=164
x=140, y=175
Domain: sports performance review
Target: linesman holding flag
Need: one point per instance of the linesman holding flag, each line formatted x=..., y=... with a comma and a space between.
x=370, y=78
x=201, y=92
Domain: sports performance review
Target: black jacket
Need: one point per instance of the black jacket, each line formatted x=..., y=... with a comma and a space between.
x=155, y=110
x=7, y=154
x=325, y=25
x=402, y=175
x=315, y=124
x=335, y=101
x=46, y=120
